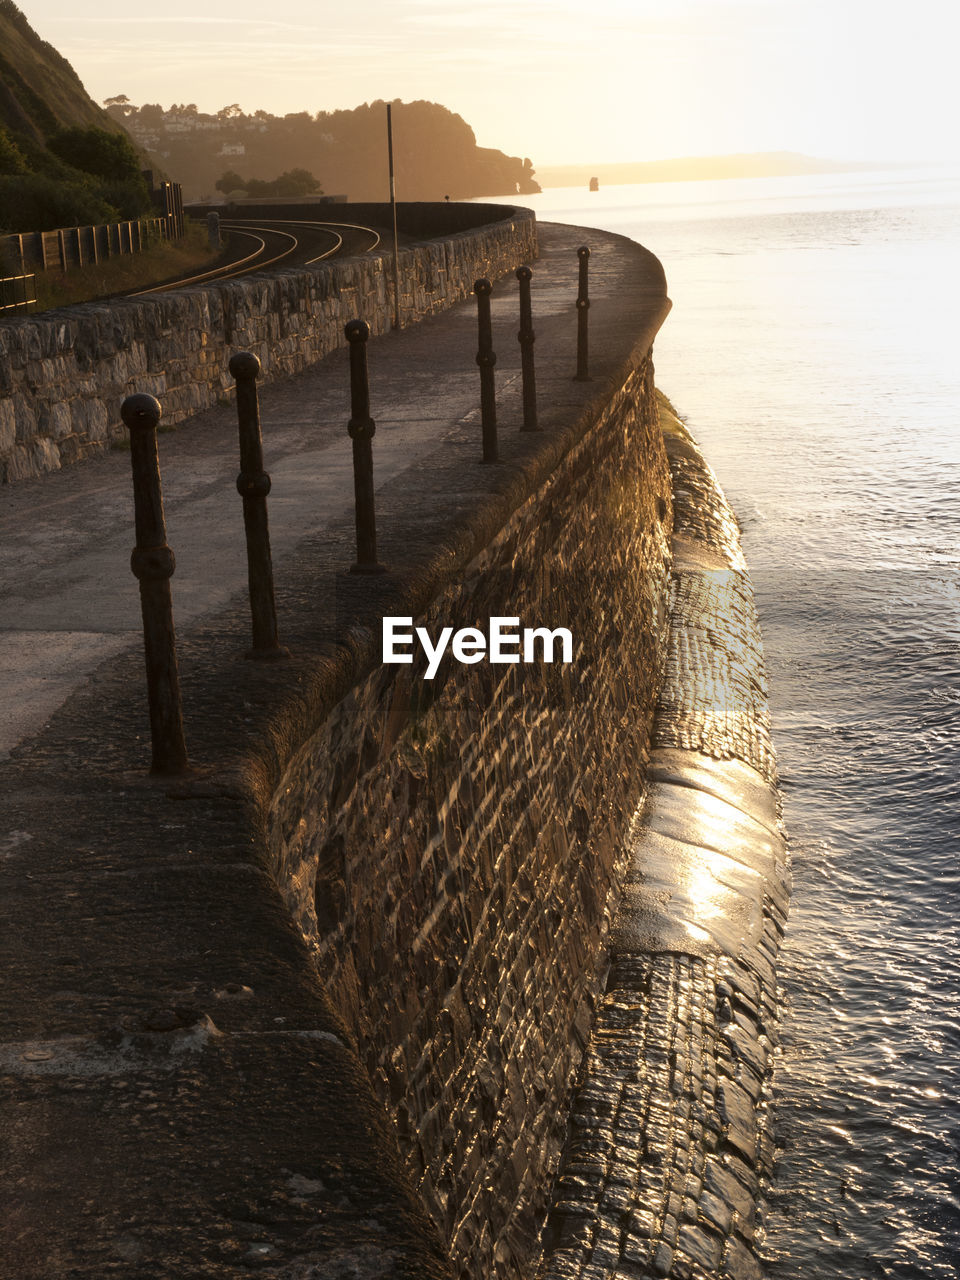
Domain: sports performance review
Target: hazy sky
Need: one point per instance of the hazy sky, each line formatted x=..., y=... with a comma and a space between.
x=557, y=80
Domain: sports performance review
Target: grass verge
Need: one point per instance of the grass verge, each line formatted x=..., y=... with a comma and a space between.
x=164, y=260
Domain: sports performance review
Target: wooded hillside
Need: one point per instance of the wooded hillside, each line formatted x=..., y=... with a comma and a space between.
x=435, y=150
x=63, y=160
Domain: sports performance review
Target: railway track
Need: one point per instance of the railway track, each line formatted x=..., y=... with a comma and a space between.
x=272, y=242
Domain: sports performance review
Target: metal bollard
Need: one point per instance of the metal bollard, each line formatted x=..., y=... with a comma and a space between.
x=486, y=359
x=583, y=306
x=526, y=338
x=362, y=428
x=253, y=485
x=153, y=563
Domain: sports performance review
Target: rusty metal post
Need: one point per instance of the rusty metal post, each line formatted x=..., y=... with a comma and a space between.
x=526, y=338
x=253, y=485
x=583, y=307
x=153, y=563
x=486, y=359
x=362, y=428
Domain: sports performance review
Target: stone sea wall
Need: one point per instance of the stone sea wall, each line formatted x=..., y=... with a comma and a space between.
x=669, y=1145
x=465, y=977
x=64, y=374
x=453, y=849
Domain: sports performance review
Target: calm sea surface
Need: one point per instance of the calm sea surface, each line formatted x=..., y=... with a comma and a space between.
x=814, y=350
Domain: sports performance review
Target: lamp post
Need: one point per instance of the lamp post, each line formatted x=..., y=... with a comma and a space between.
x=393, y=210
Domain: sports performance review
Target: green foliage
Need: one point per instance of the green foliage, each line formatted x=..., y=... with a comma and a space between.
x=41, y=190
x=436, y=151
x=129, y=196
x=39, y=90
x=11, y=157
x=30, y=104
x=37, y=159
x=295, y=182
x=230, y=181
x=59, y=165
x=36, y=202
x=105, y=155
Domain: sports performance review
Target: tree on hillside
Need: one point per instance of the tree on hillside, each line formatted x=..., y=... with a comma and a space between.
x=230, y=181
x=436, y=151
x=111, y=159
x=295, y=182
x=11, y=157
x=106, y=155
x=150, y=115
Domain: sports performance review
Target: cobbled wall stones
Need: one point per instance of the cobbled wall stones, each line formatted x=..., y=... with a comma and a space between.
x=453, y=849
x=669, y=1144
x=64, y=374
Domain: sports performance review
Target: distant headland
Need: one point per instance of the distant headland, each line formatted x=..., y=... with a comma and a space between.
x=759, y=164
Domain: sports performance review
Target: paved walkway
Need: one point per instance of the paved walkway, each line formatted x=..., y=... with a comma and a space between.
x=142, y=1134
x=110, y=889
x=67, y=597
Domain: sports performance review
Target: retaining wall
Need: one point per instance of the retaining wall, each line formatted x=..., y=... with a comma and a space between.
x=331, y=994
x=670, y=1146
x=64, y=374
x=452, y=848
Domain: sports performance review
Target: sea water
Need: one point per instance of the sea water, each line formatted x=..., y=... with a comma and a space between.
x=813, y=350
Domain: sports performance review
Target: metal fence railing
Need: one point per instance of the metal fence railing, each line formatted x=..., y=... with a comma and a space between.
x=17, y=294
x=153, y=561
x=80, y=247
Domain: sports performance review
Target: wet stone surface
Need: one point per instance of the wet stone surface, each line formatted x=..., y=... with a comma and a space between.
x=192, y=1087
x=452, y=850
x=669, y=1145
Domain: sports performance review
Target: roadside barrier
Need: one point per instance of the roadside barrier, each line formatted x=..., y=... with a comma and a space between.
x=526, y=337
x=80, y=247
x=583, y=308
x=152, y=560
x=486, y=359
x=153, y=563
x=253, y=485
x=362, y=428
x=17, y=293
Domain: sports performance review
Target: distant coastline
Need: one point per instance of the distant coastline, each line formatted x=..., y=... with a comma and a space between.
x=760, y=164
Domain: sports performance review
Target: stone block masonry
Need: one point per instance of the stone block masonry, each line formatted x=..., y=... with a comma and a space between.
x=453, y=849
x=317, y=1009
x=669, y=1145
x=63, y=374
x=323, y=1006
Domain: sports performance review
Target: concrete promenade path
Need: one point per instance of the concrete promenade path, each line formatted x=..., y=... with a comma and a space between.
x=175, y=1077
x=68, y=600
x=161, y=1021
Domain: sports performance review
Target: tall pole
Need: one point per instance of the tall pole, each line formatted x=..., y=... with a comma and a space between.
x=361, y=428
x=253, y=485
x=486, y=359
x=393, y=210
x=153, y=563
x=583, y=307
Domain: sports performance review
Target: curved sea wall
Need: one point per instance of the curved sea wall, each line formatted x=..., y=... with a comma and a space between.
x=404, y=949
x=669, y=1145
x=63, y=374
x=452, y=848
